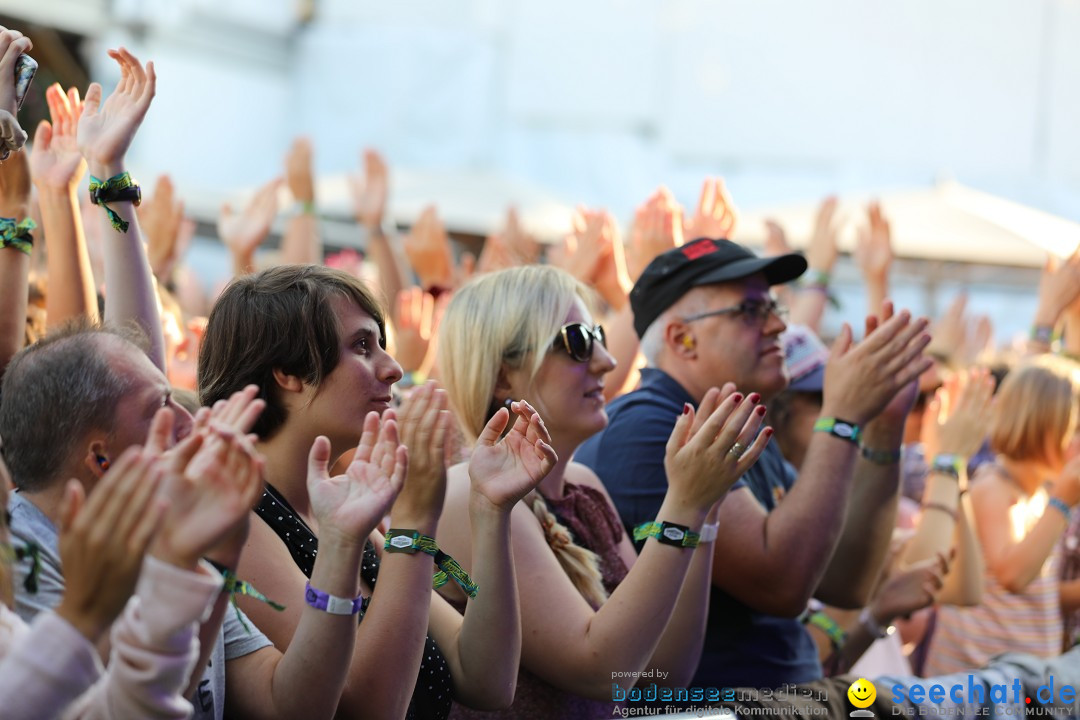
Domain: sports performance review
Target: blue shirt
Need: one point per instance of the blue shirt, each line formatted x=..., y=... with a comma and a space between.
x=743, y=648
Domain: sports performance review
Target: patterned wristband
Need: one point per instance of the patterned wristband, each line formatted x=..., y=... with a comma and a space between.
x=948, y=464
x=332, y=603
x=1062, y=506
x=881, y=457
x=668, y=534
x=839, y=429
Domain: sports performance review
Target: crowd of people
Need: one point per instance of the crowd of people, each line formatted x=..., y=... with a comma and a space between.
x=593, y=479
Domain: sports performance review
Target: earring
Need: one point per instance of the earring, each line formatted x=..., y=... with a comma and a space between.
x=103, y=462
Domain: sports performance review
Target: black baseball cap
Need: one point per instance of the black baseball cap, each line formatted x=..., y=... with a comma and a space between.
x=702, y=262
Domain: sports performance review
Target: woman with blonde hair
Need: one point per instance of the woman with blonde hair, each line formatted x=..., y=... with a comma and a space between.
x=595, y=616
x=1022, y=504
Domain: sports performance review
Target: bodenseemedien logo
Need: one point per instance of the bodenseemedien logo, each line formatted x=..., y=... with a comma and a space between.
x=862, y=694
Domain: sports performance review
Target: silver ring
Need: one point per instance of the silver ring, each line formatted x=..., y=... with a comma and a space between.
x=737, y=450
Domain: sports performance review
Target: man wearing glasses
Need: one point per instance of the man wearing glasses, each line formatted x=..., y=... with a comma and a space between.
x=706, y=318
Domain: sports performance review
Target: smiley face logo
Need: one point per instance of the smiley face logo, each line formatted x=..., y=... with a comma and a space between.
x=862, y=693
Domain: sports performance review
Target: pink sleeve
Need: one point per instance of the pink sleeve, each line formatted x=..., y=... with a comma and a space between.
x=43, y=667
x=154, y=646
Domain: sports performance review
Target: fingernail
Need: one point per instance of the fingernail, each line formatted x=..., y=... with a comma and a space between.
x=760, y=410
x=754, y=397
x=768, y=432
x=686, y=409
x=737, y=397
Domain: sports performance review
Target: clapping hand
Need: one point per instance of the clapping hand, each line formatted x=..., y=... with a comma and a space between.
x=103, y=540
x=709, y=449
x=350, y=506
x=505, y=470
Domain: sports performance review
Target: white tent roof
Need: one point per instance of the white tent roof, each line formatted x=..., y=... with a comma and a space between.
x=947, y=222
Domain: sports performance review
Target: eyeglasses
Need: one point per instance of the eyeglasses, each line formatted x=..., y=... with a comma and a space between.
x=576, y=339
x=755, y=312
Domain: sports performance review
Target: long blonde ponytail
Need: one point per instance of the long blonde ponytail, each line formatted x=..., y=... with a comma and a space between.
x=580, y=564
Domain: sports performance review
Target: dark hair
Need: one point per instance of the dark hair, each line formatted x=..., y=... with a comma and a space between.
x=55, y=393
x=278, y=319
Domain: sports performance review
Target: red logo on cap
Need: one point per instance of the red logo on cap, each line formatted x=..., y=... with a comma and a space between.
x=695, y=250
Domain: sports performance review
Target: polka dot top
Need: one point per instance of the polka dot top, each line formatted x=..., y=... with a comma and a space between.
x=433, y=692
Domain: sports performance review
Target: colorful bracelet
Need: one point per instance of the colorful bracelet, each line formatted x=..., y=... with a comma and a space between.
x=332, y=603
x=1043, y=334
x=1062, y=506
x=235, y=586
x=17, y=234
x=409, y=541
x=815, y=279
x=118, y=188
x=839, y=429
x=835, y=633
x=668, y=534
x=881, y=457
x=949, y=464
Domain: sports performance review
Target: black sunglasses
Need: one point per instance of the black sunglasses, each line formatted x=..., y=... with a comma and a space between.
x=576, y=339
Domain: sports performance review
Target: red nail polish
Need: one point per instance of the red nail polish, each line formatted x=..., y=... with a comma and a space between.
x=737, y=397
x=760, y=410
x=768, y=432
x=686, y=409
x=754, y=397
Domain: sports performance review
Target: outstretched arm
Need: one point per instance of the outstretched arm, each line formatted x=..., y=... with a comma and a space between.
x=57, y=167
x=14, y=208
x=105, y=132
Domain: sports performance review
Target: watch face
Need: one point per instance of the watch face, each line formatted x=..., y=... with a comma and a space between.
x=674, y=533
x=401, y=541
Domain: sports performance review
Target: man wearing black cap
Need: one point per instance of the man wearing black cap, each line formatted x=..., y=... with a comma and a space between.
x=705, y=317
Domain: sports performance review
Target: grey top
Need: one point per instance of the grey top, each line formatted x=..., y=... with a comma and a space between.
x=29, y=524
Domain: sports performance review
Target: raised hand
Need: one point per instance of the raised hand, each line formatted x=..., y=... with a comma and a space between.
x=710, y=449
x=955, y=420
x=416, y=327
x=423, y=423
x=105, y=130
x=1059, y=287
x=822, y=251
x=509, y=247
x=715, y=216
x=873, y=249
x=161, y=217
x=503, y=471
x=657, y=228
x=369, y=193
x=862, y=379
x=776, y=242
x=427, y=247
x=103, y=540
x=298, y=172
x=56, y=162
x=950, y=331
x=351, y=505
x=243, y=232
